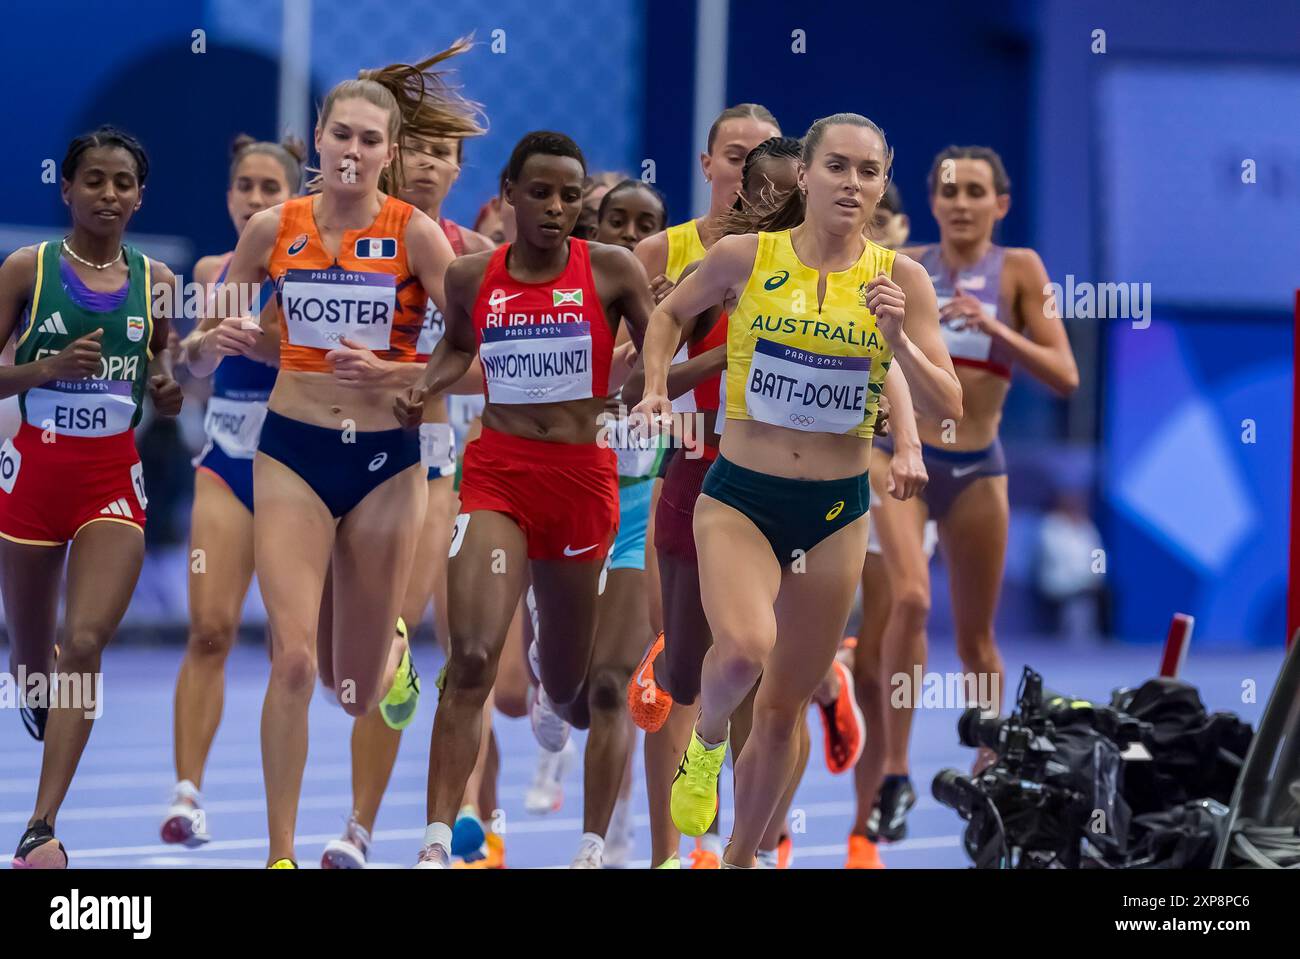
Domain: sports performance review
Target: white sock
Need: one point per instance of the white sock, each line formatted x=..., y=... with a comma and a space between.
x=593, y=839
x=766, y=858
x=439, y=833
x=187, y=790
x=709, y=745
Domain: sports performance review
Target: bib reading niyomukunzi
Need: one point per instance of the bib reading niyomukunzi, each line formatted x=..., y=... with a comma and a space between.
x=537, y=363
x=807, y=391
x=321, y=307
x=82, y=407
x=235, y=425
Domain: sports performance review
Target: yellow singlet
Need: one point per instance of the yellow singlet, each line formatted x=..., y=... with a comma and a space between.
x=684, y=248
x=790, y=364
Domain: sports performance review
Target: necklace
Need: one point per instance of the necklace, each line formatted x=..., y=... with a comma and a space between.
x=94, y=266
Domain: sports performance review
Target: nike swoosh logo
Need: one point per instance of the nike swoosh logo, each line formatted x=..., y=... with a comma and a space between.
x=495, y=303
x=958, y=473
x=570, y=551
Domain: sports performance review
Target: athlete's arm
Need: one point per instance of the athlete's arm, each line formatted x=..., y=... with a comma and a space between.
x=907, y=473
x=452, y=357
x=631, y=301
x=163, y=388
x=682, y=377
x=475, y=242
x=428, y=254
x=206, y=271
x=76, y=361
x=1044, y=348
x=232, y=331
x=653, y=254
x=908, y=314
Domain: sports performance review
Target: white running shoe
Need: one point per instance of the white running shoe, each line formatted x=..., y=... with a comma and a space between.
x=350, y=851
x=620, y=837
x=546, y=794
x=549, y=727
x=433, y=856
x=589, y=856
x=186, y=822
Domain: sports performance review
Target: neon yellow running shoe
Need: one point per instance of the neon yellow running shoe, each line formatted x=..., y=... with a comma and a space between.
x=672, y=862
x=398, y=707
x=695, y=788
x=283, y=864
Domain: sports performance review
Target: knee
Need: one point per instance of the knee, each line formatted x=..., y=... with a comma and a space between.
x=211, y=638
x=977, y=647
x=512, y=706
x=607, y=691
x=912, y=605
x=353, y=703
x=83, y=644
x=293, y=671
x=777, y=720
x=741, y=656
x=469, y=669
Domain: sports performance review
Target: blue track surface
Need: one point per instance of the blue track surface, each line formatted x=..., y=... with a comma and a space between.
x=113, y=811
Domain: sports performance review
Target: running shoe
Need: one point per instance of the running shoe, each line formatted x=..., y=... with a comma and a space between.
x=784, y=851
x=767, y=859
x=491, y=855
x=843, y=725
x=38, y=849
x=888, y=819
x=186, y=823
x=433, y=856
x=546, y=794
x=695, y=787
x=467, y=833
x=349, y=851
x=619, y=838
x=648, y=702
x=283, y=864
x=672, y=862
x=398, y=707
x=590, y=856
x=34, y=718
x=550, y=728
x=863, y=854
x=703, y=857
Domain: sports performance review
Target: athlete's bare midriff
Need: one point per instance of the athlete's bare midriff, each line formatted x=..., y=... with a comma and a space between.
x=319, y=399
x=983, y=396
x=794, y=454
x=574, y=421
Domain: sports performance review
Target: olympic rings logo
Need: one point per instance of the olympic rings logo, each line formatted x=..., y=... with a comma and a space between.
x=536, y=392
x=802, y=420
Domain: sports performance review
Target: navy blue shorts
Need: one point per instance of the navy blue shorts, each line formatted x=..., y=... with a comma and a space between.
x=340, y=466
x=951, y=471
x=236, y=474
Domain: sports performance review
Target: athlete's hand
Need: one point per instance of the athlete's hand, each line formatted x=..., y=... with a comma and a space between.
x=967, y=313
x=408, y=407
x=78, y=360
x=233, y=336
x=882, y=416
x=355, y=365
x=886, y=300
x=660, y=287
x=166, y=394
x=907, y=475
x=653, y=415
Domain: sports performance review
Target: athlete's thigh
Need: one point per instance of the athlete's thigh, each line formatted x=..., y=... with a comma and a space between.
x=104, y=562
x=566, y=592
x=373, y=550
x=31, y=577
x=900, y=528
x=430, y=554
x=486, y=574
x=973, y=535
x=812, y=610
x=739, y=576
x=293, y=537
x=221, y=552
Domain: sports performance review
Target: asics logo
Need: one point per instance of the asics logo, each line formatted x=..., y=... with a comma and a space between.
x=776, y=280
x=835, y=511
x=498, y=300
x=296, y=247
x=570, y=551
x=379, y=460
x=959, y=472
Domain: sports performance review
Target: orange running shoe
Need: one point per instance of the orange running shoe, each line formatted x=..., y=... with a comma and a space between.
x=493, y=858
x=648, y=703
x=784, y=851
x=844, y=727
x=701, y=858
x=863, y=854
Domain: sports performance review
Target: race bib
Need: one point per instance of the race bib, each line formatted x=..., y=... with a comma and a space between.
x=543, y=363
x=82, y=407
x=803, y=390
x=437, y=446
x=463, y=410
x=321, y=307
x=137, y=484
x=636, y=451
x=967, y=344
x=11, y=461
x=234, y=425
x=431, y=331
